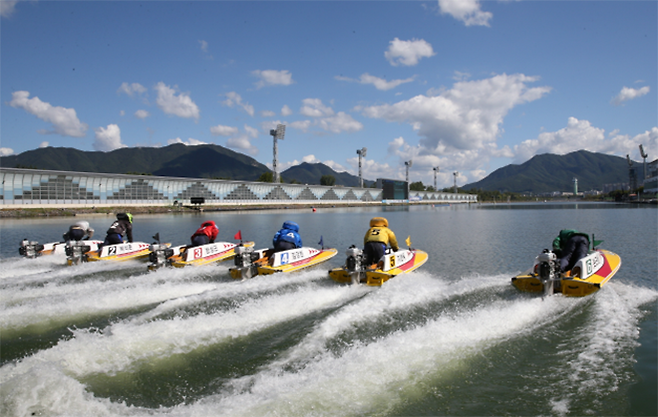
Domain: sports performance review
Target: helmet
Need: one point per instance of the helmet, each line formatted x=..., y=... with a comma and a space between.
x=291, y=225
x=378, y=222
x=208, y=223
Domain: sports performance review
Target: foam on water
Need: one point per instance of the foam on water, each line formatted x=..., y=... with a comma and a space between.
x=368, y=376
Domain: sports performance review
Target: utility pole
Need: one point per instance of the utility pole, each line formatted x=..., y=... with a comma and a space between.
x=408, y=164
x=362, y=154
x=278, y=134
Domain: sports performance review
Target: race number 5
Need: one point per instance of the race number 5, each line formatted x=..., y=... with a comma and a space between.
x=392, y=261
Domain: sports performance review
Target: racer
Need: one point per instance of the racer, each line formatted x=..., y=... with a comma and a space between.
x=79, y=231
x=287, y=238
x=122, y=225
x=569, y=247
x=377, y=239
x=205, y=234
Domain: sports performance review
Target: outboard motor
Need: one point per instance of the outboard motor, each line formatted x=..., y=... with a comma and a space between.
x=159, y=256
x=30, y=249
x=76, y=252
x=548, y=271
x=354, y=263
x=244, y=260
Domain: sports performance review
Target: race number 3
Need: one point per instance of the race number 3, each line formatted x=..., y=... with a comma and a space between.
x=198, y=252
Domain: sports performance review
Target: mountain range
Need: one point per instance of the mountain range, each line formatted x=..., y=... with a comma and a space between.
x=177, y=160
x=548, y=172
x=543, y=173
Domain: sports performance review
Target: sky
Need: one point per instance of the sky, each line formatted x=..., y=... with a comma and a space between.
x=465, y=86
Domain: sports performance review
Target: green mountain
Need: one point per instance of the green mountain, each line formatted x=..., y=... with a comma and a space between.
x=307, y=173
x=178, y=160
x=546, y=173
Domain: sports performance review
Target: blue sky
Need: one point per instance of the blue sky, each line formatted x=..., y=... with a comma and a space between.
x=463, y=85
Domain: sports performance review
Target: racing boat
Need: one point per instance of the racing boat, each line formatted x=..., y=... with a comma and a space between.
x=249, y=262
x=119, y=252
x=162, y=254
x=33, y=249
x=587, y=276
x=392, y=264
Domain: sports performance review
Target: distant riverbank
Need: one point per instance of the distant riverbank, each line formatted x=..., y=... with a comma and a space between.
x=35, y=212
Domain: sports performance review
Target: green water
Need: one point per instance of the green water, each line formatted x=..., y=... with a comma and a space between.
x=453, y=338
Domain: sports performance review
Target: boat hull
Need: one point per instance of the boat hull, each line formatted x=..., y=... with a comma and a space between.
x=587, y=277
x=285, y=262
x=205, y=254
x=394, y=264
x=120, y=252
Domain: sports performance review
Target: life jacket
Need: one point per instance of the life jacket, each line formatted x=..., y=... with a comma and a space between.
x=288, y=233
x=208, y=228
x=564, y=236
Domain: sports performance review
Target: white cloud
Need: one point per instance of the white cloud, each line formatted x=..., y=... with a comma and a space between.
x=628, y=93
x=242, y=141
x=272, y=77
x=6, y=151
x=190, y=142
x=313, y=107
x=468, y=11
x=267, y=113
x=325, y=118
x=7, y=8
x=221, y=130
x=142, y=114
x=341, y=122
x=108, y=139
x=379, y=83
x=65, y=121
x=286, y=111
x=469, y=163
x=204, y=46
x=44, y=144
x=408, y=53
x=234, y=99
x=464, y=118
x=180, y=105
x=302, y=125
x=131, y=89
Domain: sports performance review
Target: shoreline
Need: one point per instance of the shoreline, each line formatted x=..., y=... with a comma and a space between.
x=40, y=212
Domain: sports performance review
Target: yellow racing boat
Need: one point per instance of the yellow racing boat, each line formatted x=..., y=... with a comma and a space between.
x=587, y=276
x=119, y=252
x=392, y=264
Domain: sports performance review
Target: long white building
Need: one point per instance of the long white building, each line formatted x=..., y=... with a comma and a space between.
x=33, y=187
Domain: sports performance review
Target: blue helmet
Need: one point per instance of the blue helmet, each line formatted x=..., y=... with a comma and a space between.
x=291, y=226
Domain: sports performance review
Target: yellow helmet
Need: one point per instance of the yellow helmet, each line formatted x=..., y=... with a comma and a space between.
x=378, y=221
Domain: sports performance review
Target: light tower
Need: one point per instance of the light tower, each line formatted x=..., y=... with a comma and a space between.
x=455, y=174
x=575, y=186
x=632, y=175
x=644, y=158
x=279, y=133
x=408, y=164
x=362, y=154
x=436, y=170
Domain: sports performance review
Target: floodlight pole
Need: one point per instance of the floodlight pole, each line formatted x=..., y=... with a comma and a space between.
x=644, y=158
x=436, y=169
x=277, y=133
x=362, y=154
x=408, y=164
x=455, y=175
